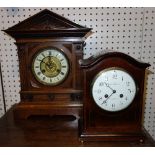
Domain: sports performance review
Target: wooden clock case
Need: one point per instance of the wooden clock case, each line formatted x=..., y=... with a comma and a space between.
x=100, y=125
x=42, y=31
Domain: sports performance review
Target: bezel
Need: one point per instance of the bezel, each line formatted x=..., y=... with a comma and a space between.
x=108, y=69
x=43, y=82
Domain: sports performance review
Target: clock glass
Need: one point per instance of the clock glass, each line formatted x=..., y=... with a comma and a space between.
x=50, y=66
x=113, y=89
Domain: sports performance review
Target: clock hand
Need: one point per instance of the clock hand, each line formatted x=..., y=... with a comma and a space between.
x=108, y=86
x=50, y=62
x=114, y=91
x=107, y=98
x=49, y=59
x=42, y=61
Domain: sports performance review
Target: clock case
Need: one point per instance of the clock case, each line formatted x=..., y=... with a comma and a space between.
x=100, y=125
x=46, y=30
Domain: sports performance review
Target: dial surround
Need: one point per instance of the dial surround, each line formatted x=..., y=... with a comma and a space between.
x=113, y=89
x=50, y=66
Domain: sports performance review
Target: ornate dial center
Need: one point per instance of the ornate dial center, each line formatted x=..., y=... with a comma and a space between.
x=50, y=66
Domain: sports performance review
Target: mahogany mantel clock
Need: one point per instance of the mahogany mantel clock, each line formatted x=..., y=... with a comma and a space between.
x=49, y=47
x=113, y=98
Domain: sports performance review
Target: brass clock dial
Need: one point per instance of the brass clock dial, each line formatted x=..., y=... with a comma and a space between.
x=50, y=66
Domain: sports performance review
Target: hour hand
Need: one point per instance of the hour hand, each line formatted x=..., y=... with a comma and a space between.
x=43, y=62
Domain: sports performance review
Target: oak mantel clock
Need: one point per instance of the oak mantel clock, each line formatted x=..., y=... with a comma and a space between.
x=49, y=47
x=113, y=98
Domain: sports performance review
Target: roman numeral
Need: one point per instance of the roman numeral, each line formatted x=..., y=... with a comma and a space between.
x=49, y=53
x=43, y=55
x=39, y=73
x=62, y=73
x=39, y=60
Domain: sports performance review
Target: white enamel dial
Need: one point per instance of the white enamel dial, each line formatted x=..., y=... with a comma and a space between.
x=113, y=89
x=50, y=66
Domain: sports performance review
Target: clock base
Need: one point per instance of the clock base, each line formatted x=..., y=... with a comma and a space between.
x=95, y=136
x=23, y=110
x=112, y=137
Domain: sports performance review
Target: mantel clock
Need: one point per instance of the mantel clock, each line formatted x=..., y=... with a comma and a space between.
x=113, y=98
x=49, y=48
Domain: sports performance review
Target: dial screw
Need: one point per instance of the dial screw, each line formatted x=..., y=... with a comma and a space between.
x=121, y=95
x=106, y=95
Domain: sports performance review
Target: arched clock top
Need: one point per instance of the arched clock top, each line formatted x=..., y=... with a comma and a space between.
x=93, y=60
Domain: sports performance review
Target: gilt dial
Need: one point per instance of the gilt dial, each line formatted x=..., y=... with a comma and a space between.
x=113, y=89
x=50, y=66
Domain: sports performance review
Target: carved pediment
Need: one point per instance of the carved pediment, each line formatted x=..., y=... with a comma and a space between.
x=47, y=23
